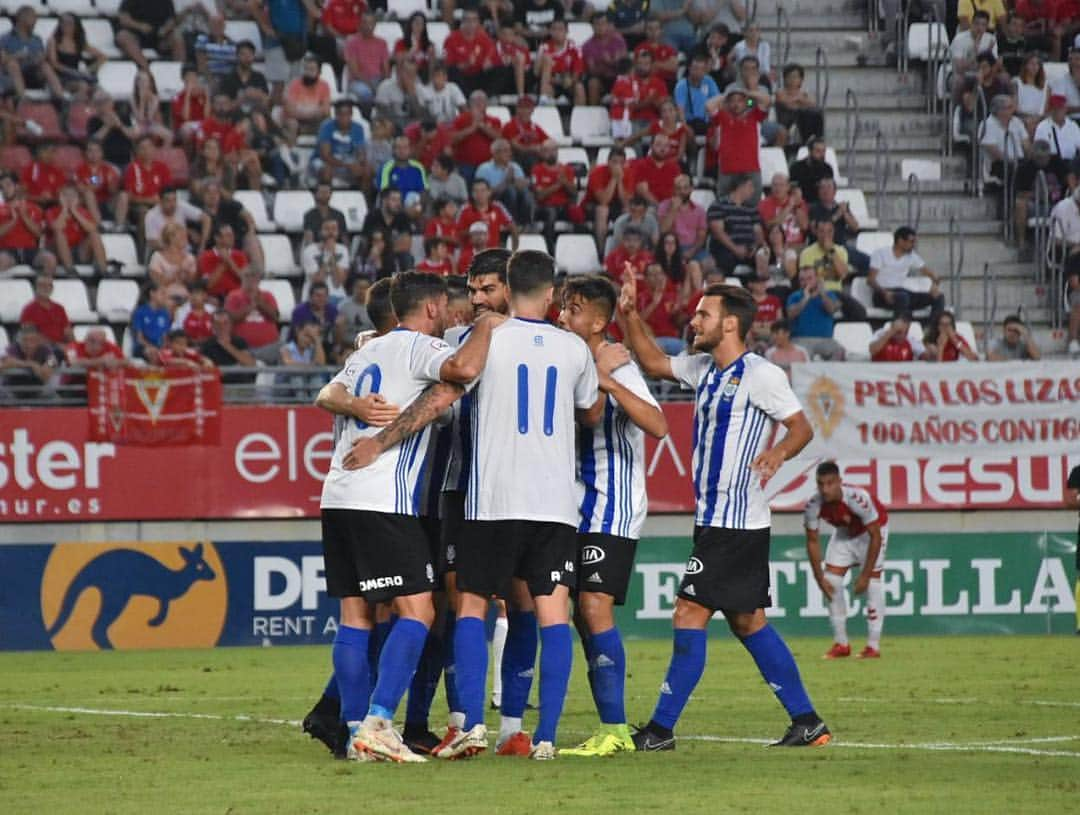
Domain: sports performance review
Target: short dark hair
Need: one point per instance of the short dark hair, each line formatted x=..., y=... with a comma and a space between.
x=1013, y=319
x=379, y=307
x=827, y=468
x=490, y=261
x=987, y=57
x=794, y=67
x=248, y=44
x=318, y=285
x=780, y=325
x=344, y=102
x=983, y=14
x=175, y=334
x=592, y=289
x=813, y=142
x=738, y=302
x=739, y=179
x=530, y=271
x=430, y=244
x=903, y=233
x=445, y=162
x=409, y=290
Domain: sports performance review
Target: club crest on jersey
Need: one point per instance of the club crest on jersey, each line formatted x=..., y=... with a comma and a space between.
x=538, y=340
x=694, y=566
x=730, y=388
x=591, y=555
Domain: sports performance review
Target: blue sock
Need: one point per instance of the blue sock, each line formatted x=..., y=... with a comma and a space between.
x=778, y=668
x=375, y=645
x=684, y=672
x=556, y=657
x=519, y=662
x=470, y=663
x=425, y=680
x=331, y=690
x=449, y=669
x=350, y=655
x=607, y=661
x=397, y=664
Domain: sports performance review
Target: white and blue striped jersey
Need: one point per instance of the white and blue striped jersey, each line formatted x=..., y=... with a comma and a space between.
x=611, y=465
x=523, y=460
x=399, y=365
x=455, y=477
x=736, y=411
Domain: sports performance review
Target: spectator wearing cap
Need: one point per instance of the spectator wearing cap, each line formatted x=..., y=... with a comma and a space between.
x=322, y=211
x=367, y=60
x=29, y=364
x=638, y=215
x=74, y=232
x=150, y=323
x=307, y=99
x=560, y=66
x=171, y=210
x=893, y=342
x=602, y=53
x=341, y=149
x=525, y=135
x=398, y=97
x=636, y=97
x=693, y=92
x=255, y=313
x=245, y=84
x=403, y=171
x=1004, y=137
x=629, y=252
x=45, y=314
x=508, y=181
x=1060, y=132
x=555, y=188
x=326, y=261
x=812, y=311
x=474, y=242
x=482, y=207
x=737, y=126
x=21, y=225
x=1059, y=180
x=890, y=266
x=1015, y=343
x=468, y=52
x=22, y=54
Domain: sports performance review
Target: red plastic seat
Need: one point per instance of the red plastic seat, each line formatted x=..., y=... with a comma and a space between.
x=68, y=157
x=15, y=158
x=46, y=117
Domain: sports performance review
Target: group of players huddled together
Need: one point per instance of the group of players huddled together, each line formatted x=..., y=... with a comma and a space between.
x=505, y=461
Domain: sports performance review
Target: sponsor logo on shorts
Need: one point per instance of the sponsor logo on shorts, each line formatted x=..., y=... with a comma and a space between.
x=594, y=578
x=690, y=590
x=694, y=566
x=568, y=566
x=592, y=554
x=381, y=583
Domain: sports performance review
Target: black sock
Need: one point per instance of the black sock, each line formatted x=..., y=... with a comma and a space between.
x=807, y=719
x=327, y=707
x=659, y=730
x=413, y=729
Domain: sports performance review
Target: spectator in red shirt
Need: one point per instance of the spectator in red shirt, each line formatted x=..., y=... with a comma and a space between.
x=254, y=312
x=636, y=98
x=21, y=225
x=437, y=258
x=658, y=305
x=475, y=242
x=48, y=316
x=512, y=58
x=196, y=317
x=367, y=59
x=144, y=179
x=785, y=218
x=608, y=192
x=655, y=174
x=341, y=18
x=218, y=125
x=75, y=232
x=468, y=52
x=472, y=134
x=736, y=124
x=555, y=188
x=944, y=344
x=444, y=225
x=560, y=66
x=95, y=350
x=416, y=44
x=490, y=212
x=524, y=135
x=189, y=107
x=222, y=265
x=178, y=352
x=602, y=53
x=631, y=250
x=42, y=179
x=99, y=182
x=665, y=58
x=891, y=344
x=769, y=310
x=671, y=126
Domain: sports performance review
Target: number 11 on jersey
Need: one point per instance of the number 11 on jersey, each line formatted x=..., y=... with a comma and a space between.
x=550, y=381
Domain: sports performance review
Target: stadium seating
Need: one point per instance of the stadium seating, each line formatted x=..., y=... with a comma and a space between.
x=240, y=30
x=167, y=78
x=5, y=341
x=437, y=32
x=579, y=32
x=403, y=9
x=590, y=126
x=99, y=33
x=528, y=242
x=45, y=26
x=830, y=159
x=500, y=112
x=353, y=205
x=121, y=248
x=703, y=198
x=870, y=242
x=855, y=339
x=14, y=294
x=860, y=291
x=116, y=299
x=603, y=153
x=254, y=203
x=118, y=79
x=549, y=119
x=966, y=330
x=282, y=291
x=16, y=157
x=920, y=168
x=925, y=39
x=289, y=209
x=72, y=295
x=278, y=251
x=577, y=158
x=80, y=8
x=772, y=161
x=576, y=254
x=389, y=31
x=856, y=202
x=110, y=8
x=45, y=116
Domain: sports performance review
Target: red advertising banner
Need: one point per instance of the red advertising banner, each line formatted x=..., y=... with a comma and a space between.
x=271, y=460
x=154, y=406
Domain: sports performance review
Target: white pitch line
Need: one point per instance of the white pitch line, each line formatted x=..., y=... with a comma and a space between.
x=976, y=747
x=948, y=701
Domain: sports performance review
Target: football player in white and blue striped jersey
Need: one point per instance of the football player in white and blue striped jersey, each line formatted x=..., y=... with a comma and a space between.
x=740, y=397
x=611, y=481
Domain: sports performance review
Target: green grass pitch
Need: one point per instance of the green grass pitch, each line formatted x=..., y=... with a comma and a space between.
x=950, y=724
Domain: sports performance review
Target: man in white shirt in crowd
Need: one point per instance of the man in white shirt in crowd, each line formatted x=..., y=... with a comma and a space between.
x=326, y=261
x=967, y=45
x=1058, y=130
x=1004, y=136
x=171, y=210
x=890, y=266
x=1069, y=85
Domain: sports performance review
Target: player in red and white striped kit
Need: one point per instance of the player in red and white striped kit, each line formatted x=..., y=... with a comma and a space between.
x=860, y=535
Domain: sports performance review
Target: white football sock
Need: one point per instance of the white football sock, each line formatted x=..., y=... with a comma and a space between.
x=838, y=608
x=457, y=720
x=508, y=726
x=498, y=643
x=875, y=613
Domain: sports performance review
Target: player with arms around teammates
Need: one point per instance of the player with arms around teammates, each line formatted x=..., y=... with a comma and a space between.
x=860, y=535
x=740, y=397
x=374, y=546
x=514, y=546
x=611, y=482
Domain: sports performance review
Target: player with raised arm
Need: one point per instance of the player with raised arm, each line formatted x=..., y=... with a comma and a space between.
x=374, y=547
x=739, y=399
x=860, y=535
x=611, y=482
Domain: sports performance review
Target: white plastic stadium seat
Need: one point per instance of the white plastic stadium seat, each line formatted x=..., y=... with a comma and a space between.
x=99, y=33
x=353, y=205
x=915, y=332
x=1055, y=70
x=110, y=8
x=404, y=9
x=529, y=241
x=14, y=294
x=72, y=295
x=278, y=251
x=168, y=79
x=590, y=126
x=870, y=242
x=500, y=112
x=861, y=291
x=579, y=32
x=117, y=77
x=856, y=201
x=253, y=202
x=327, y=73
x=80, y=8
x=45, y=26
x=121, y=248
x=703, y=198
x=922, y=169
x=855, y=338
x=603, y=153
x=966, y=330
x=282, y=291
x=389, y=31
x=116, y=299
x=925, y=39
x=772, y=161
x=437, y=32
x=5, y=26
x=80, y=332
x=549, y=119
x=575, y=157
x=5, y=342
x=240, y=30
x=289, y=209
x=577, y=254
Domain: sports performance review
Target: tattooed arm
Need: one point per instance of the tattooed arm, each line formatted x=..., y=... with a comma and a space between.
x=421, y=412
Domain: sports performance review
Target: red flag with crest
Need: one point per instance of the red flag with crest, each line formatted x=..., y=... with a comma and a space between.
x=155, y=406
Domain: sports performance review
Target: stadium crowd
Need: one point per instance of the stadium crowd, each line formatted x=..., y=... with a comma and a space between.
x=150, y=144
